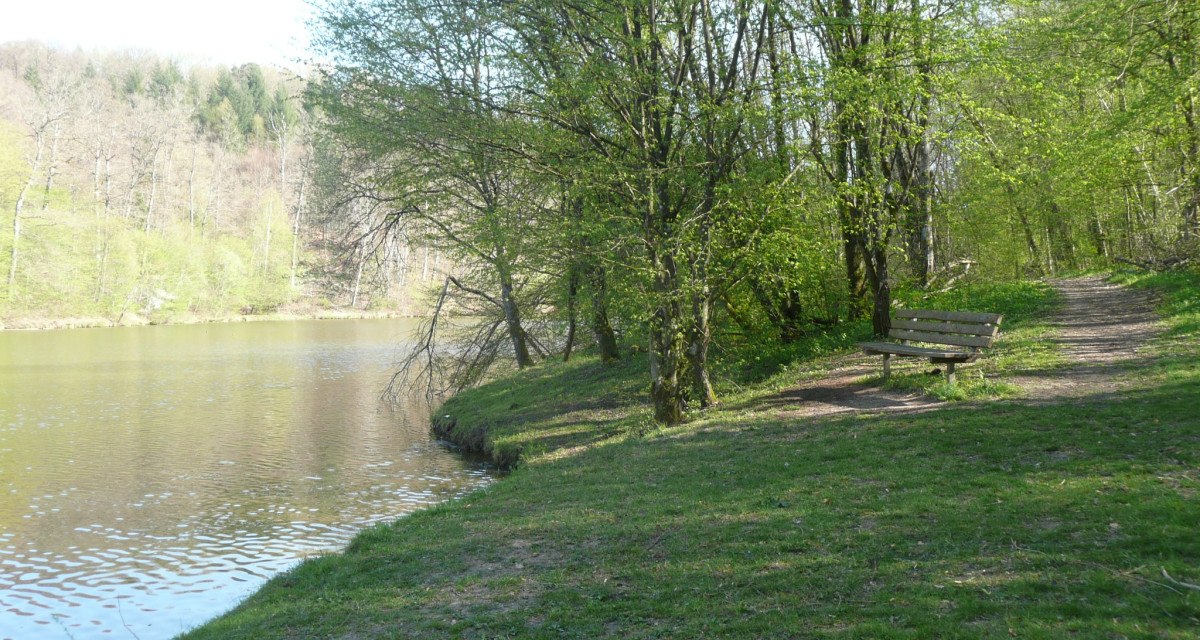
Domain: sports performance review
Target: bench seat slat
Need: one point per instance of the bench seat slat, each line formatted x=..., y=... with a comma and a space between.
x=936, y=355
x=970, y=329
x=948, y=316
x=941, y=338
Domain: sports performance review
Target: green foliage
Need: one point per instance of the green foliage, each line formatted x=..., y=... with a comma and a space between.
x=169, y=273
x=236, y=106
x=131, y=213
x=756, y=358
x=134, y=82
x=1020, y=301
x=1086, y=143
x=741, y=207
x=165, y=81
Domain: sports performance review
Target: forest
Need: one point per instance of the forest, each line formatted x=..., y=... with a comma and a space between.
x=688, y=176
x=680, y=177
x=134, y=188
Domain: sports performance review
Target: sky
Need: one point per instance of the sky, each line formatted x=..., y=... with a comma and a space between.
x=202, y=31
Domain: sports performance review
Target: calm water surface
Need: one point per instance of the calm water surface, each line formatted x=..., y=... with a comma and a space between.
x=151, y=477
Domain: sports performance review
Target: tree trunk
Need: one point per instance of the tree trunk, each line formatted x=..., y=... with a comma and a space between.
x=1027, y=229
x=51, y=166
x=701, y=339
x=403, y=267
x=1050, y=253
x=192, y=191
x=96, y=183
x=924, y=155
x=881, y=292
x=606, y=338
x=389, y=254
x=212, y=208
x=357, y=281
x=778, y=119
x=512, y=320
x=783, y=307
x=852, y=245
x=572, y=312
x=296, y=229
x=666, y=351
x=108, y=182
x=1191, y=210
x=267, y=239
x=15, y=254
x=923, y=256
x=1098, y=234
x=1183, y=66
x=153, y=190
x=102, y=268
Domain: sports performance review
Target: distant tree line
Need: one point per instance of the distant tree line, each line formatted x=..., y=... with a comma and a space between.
x=130, y=184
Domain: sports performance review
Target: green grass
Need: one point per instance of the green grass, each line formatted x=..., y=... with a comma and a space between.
x=549, y=409
x=1179, y=296
x=977, y=520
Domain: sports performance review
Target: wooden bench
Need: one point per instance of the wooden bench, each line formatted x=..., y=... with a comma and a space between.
x=961, y=337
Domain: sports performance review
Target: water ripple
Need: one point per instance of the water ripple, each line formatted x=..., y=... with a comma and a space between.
x=150, y=478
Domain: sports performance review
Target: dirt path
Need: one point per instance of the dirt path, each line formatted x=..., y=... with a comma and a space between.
x=1102, y=330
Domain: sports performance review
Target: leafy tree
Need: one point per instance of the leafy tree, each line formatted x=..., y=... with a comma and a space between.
x=414, y=99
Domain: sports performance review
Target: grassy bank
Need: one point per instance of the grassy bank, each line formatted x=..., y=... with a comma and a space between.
x=556, y=408
x=980, y=519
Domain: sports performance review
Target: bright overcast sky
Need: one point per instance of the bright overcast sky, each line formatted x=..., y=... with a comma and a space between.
x=221, y=31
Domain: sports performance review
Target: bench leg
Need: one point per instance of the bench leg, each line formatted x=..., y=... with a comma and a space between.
x=950, y=372
x=887, y=365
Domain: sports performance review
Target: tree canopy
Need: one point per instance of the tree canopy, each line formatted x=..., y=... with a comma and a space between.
x=708, y=171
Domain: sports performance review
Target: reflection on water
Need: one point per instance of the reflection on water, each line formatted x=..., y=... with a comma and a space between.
x=151, y=477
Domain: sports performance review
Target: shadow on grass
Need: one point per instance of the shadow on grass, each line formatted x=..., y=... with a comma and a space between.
x=970, y=521
x=836, y=397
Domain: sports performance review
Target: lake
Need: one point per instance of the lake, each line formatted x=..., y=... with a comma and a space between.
x=152, y=477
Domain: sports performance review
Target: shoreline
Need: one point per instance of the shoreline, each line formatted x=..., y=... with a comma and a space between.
x=37, y=323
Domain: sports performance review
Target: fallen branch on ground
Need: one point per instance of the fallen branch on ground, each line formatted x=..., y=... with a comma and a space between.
x=1186, y=585
x=1157, y=264
x=965, y=264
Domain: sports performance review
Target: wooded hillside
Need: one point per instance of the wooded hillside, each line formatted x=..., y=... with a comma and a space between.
x=131, y=185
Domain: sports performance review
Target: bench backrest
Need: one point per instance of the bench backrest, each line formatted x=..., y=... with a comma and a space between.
x=956, y=328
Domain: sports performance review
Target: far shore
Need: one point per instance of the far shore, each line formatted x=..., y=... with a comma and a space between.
x=40, y=323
